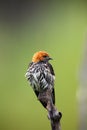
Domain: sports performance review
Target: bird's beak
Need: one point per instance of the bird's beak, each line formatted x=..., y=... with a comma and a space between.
x=50, y=58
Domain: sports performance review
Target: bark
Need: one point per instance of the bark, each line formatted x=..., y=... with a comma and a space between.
x=53, y=114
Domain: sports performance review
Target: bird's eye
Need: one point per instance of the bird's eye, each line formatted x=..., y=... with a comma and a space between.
x=44, y=56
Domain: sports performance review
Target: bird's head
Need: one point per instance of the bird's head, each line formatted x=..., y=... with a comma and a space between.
x=41, y=56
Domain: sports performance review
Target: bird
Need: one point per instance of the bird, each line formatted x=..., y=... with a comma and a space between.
x=40, y=75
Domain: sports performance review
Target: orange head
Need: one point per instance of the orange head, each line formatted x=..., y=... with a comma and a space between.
x=40, y=56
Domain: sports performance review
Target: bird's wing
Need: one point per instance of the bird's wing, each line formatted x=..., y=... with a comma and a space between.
x=53, y=90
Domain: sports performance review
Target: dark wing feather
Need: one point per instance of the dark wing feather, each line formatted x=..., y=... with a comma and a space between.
x=51, y=69
x=53, y=91
x=53, y=96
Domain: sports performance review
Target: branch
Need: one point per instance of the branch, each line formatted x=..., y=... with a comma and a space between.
x=53, y=115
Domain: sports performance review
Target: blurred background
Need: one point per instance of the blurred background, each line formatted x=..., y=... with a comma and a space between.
x=29, y=26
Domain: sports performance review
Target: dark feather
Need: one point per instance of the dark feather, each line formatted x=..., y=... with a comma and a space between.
x=53, y=96
x=52, y=72
x=51, y=68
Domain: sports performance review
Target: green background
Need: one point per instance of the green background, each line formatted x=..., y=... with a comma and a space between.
x=58, y=28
